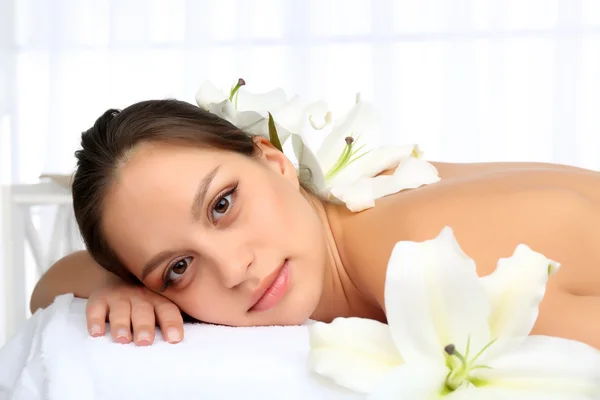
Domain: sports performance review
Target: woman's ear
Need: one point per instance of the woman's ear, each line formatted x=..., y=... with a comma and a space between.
x=276, y=160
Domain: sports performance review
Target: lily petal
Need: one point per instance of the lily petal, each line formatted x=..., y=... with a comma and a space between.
x=361, y=120
x=295, y=115
x=224, y=109
x=262, y=102
x=515, y=290
x=374, y=162
x=549, y=364
x=495, y=393
x=354, y=352
x=358, y=196
x=433, y=298
x=422, y=382
x=362, y=193
x=252, y=122
x=308, y=163
x=209, y=94
x=410, y=174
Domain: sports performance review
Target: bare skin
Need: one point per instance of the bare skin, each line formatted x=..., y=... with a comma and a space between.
x=491, y=209
x=338, y=258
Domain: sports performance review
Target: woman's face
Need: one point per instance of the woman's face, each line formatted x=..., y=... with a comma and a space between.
x=230, y=239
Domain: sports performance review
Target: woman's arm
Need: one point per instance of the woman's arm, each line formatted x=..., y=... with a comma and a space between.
x=75, y=273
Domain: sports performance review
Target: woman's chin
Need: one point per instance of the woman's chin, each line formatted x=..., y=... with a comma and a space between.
x=302, y=313
x=296, y=313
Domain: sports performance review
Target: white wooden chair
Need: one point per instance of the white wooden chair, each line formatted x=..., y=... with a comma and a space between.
x=19, y=235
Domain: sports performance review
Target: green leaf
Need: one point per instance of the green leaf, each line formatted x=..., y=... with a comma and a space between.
x=273, y=137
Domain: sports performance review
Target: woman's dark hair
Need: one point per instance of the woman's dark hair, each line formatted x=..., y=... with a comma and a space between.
x=115, y=135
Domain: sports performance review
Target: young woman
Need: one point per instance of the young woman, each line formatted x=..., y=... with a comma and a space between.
x=182, y=212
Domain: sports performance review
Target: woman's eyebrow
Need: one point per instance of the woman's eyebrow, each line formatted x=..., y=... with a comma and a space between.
x=155, y=262
x=203, y=187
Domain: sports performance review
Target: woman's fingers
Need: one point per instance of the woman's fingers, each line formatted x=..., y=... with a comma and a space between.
x=143, y=321
x=132, y=315
x=169, y=319
x=119, y=317
x=96, y=311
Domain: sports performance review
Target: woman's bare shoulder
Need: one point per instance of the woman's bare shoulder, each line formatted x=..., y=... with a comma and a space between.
x=491, y=209
x=478, y=169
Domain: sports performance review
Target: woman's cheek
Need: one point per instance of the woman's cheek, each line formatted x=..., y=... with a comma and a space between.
x=182, y=292
x=202, y=295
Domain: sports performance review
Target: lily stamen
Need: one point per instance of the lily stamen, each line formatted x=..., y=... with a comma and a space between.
x=342, y=160
x=461, y=367
x=235, y=89
x=347, y=157
x=450, y=349
x=326, y=121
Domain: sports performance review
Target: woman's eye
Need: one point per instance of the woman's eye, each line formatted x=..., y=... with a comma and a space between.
x=221, y=206
x=178, y=269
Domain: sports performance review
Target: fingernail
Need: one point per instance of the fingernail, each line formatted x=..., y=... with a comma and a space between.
x=96, y=330
x=123, y=335
x=143, y=337
x=173, y=335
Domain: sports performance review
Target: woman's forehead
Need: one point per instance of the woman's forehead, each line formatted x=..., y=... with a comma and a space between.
x=155, y=169
x=152, y=164
x=151, y=153
x=152, y=195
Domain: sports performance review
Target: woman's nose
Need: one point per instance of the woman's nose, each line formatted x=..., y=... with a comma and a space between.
x=232, y=263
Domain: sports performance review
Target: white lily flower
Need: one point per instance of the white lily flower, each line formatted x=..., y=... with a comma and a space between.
x=249, y=111
x=451, y=334
x=345, y=166
x=342, y=166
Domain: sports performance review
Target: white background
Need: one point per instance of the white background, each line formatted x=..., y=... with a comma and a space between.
x=468, y=80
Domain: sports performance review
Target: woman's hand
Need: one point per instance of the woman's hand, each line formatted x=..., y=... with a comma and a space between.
x=129, y=306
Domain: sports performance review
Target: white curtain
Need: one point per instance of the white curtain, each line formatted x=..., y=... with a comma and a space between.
x=468, y=80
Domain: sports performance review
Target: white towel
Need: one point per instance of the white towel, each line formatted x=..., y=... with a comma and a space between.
x=212, y=362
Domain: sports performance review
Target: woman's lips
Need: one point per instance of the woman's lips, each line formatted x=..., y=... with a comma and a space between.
x=272, y=290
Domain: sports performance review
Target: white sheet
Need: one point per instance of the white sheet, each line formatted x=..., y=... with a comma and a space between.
x=53, y=357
